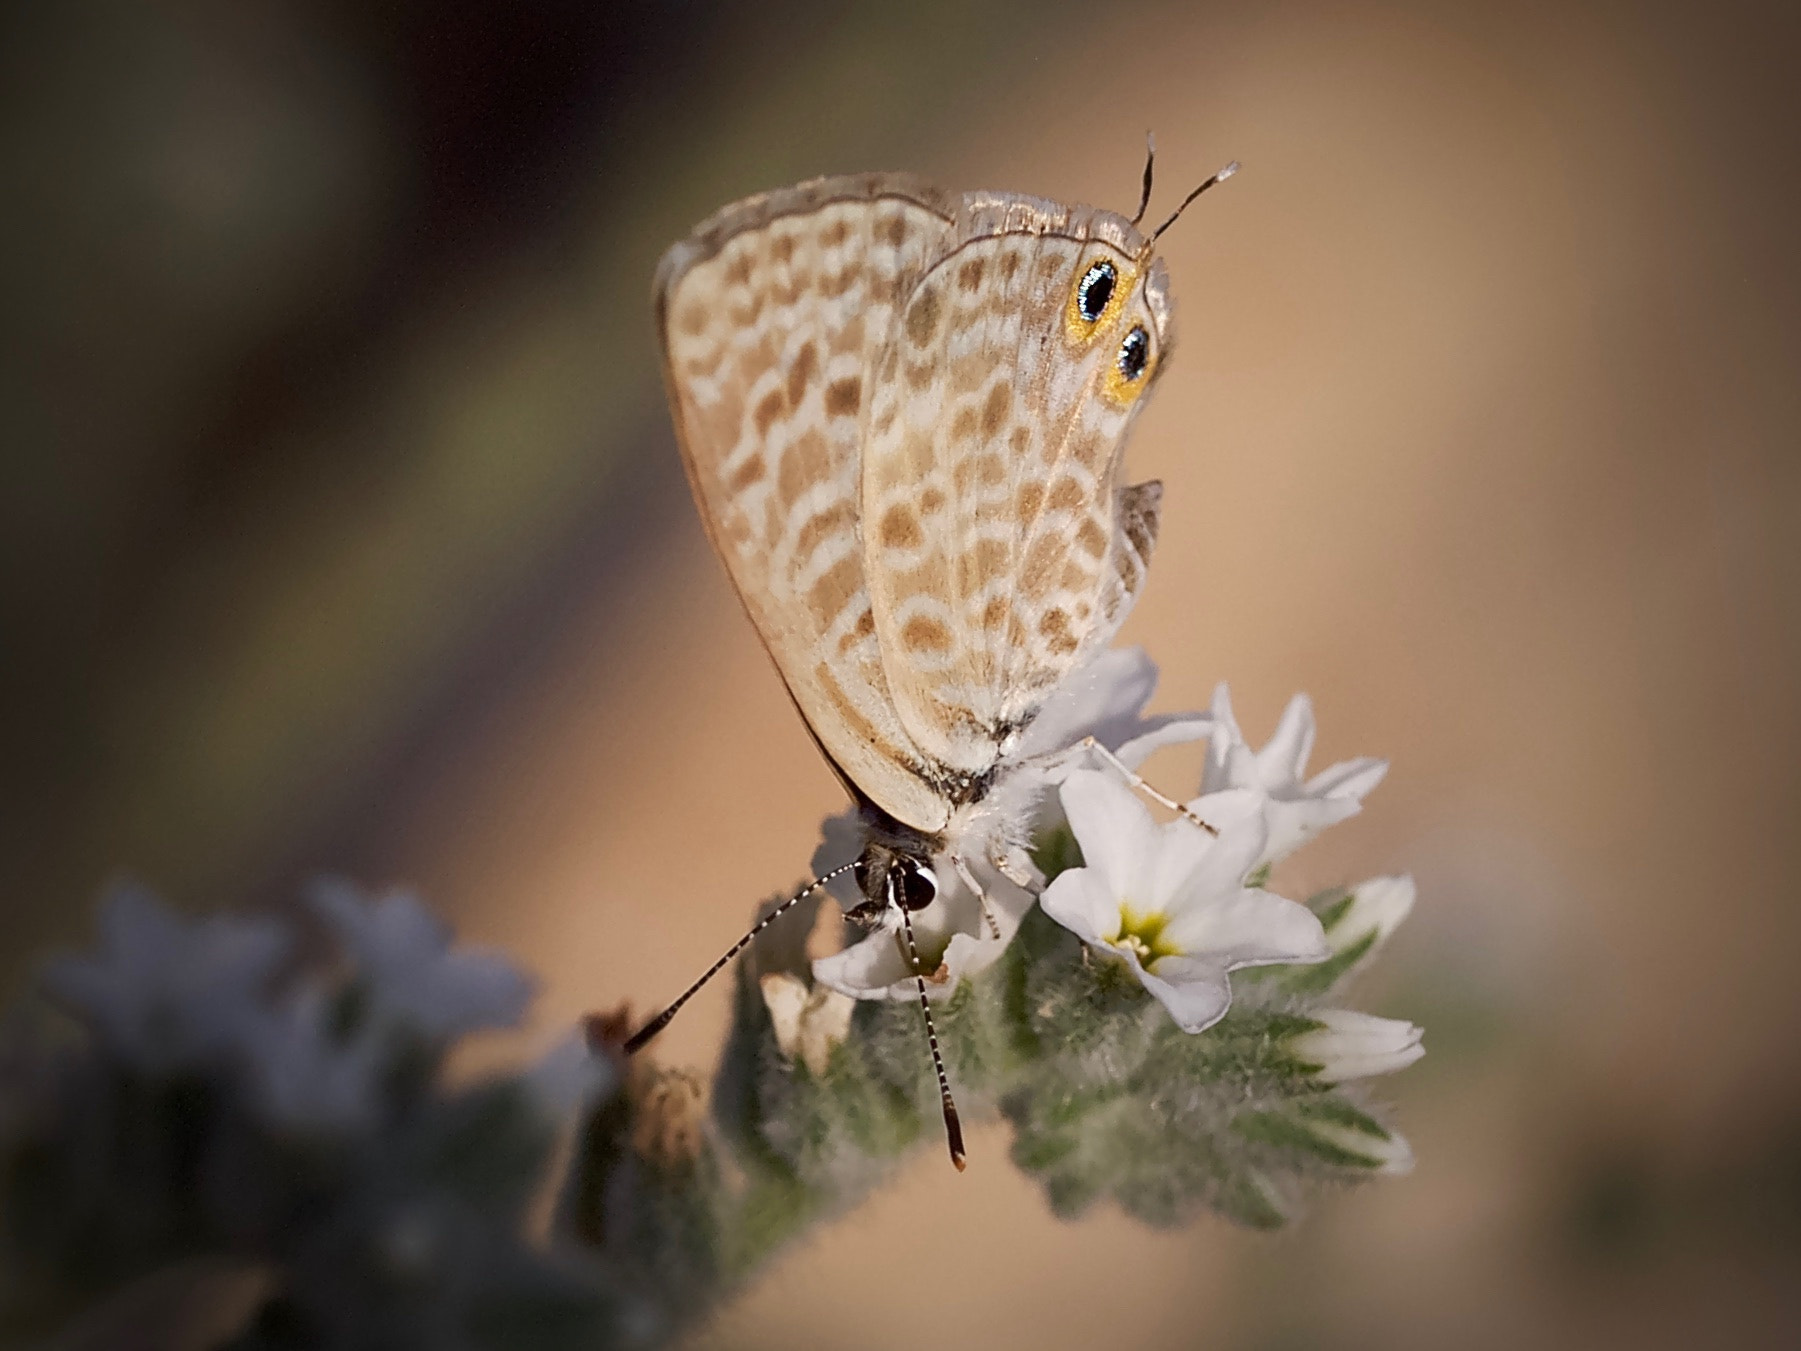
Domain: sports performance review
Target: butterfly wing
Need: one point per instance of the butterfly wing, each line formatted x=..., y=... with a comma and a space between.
x=770, y=315
x=1000, y=546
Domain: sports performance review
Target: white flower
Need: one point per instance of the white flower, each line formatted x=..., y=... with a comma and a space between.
x=953, y=938
x=1352, y=1045
x=1171, y=900
x=402, y=951
x=1294, y=810
x=304, y=1074
x=808, y=1023
x=167, y=993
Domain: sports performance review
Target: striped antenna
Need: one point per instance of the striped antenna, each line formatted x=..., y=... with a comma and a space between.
x=953, y=1129
x=662, y=1020
x=1176, y=215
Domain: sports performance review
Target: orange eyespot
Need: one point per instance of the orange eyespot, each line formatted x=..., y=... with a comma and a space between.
x=1129, y=372
x=1096, y=297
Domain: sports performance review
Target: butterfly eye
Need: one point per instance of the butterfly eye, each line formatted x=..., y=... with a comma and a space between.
x=1134, y=354
x=1095, y=290
x=918, y=885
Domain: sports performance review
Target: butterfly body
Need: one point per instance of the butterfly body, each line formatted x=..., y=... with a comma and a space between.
x=902, y=413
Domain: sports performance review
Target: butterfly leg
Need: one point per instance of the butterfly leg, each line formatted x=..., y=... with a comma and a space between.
x=969, y=880
x=1132, y=777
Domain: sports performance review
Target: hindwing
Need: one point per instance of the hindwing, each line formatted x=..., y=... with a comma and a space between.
x=1001, y=548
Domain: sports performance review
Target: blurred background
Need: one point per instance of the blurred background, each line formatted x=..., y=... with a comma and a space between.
x=343, y=531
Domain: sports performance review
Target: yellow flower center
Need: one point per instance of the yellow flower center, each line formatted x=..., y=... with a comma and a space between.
x=1142, y=935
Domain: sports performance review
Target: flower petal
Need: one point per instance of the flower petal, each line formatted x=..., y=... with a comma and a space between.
x=1196, y=991
x=1080, y=900
x=1116, y=832
x=1228, y=857
x=1174, y=729
x=1222, y=744
x=1293, y=823
x=871, y=968
x=1249, y=927
x=1283, y=758
x=1348, y=778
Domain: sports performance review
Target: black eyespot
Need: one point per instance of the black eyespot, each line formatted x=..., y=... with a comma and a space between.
x=916, y=885
x=1095, y=290
x=1135, y=353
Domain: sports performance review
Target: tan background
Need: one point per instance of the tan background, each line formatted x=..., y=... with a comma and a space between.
x=347, y=534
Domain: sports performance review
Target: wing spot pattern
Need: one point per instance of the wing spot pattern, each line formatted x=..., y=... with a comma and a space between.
x=922, y=633
x=1067, y=495
x=1092, y=539
x=899, y=529
x=985, y=471
x=802, y=465
x=995, y=410
x=748, y=473
x=770, y=407
x=800, y=374
x=844, y=396
x=834, y=521
x=1054, y=629
x=922, y=316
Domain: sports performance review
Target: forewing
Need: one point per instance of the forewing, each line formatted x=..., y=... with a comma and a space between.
x=1000, y=546
x=770, y=315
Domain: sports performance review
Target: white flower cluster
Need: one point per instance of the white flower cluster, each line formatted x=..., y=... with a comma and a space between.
x=165, y=995
x=1180, y=906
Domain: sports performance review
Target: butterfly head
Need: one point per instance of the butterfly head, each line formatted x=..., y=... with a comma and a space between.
x=885, y=873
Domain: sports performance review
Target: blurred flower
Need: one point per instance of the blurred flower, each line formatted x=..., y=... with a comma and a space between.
x=953, y=937
x=1171, y=899
x=808, y=1023
x=1294, y=811
x=1352, y=1045
x=306, y=1073
x=571, y=1077
x=403, y=956
x=165, y=993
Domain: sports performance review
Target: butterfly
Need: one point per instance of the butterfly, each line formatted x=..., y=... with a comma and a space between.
x=902, y=412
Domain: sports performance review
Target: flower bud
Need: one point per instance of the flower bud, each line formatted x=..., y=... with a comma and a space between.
x=1351, y=1045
